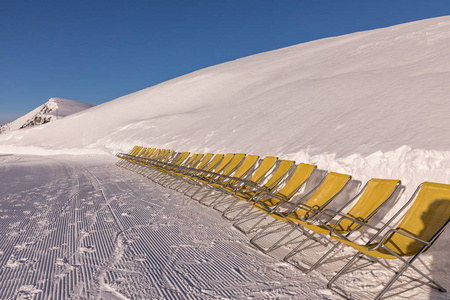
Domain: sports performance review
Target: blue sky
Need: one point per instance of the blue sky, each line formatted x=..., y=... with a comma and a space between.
x=97, y=50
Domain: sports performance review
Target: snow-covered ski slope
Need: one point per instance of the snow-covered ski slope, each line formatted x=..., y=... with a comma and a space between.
x=52, y=110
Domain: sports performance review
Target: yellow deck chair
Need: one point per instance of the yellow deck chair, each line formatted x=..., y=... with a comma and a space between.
x=154, y=163
x=208, y=173
x=154, y=157
x=155, y=153
x=167, y=159
x=172, y=175
x=138, y=159
x=138, y=155
x=307, y=207
x=145, y=152
x=268, y=202
x=202, y=161
x=225, y=181
x=255, y=190
x=177, y=160
x=220, y=174
x=188, y=163
x=135, y=150
x=126, y=156
x=420, y=227
x=150, y=152
x=243, y=185
x=163, y=156
x=163, y=168
x=372, y=197
x=141, y=152
x=244, y=168
x=206, y=164
x=228, y=170
x=145, y=155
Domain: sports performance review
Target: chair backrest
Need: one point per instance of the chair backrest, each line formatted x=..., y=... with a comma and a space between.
x=293, y=184
x=234, y=163
x=138, y=154
x=141, y=153
x=427, y=215
x=180, y=158
x=135, y=150
x=144, y=152
x=224, y=162
x=208, y=166
x=245, y=167
x=191, y=161
x=155, y=153
x=149, y=153
x=168, y=156
x=330, y=187
x=278, y=174
x=376, y=193
x=267, y=164
x=162, y=154
x=201, y=161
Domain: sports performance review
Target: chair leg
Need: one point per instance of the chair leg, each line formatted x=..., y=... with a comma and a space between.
x=249, y=217
x=320, y=260
x=211, y=203
x=309, y=236
x=352, y=261
x=227, y=214
x=406, y=265
x=220, y=202
x=276, y=245
x=229, y=207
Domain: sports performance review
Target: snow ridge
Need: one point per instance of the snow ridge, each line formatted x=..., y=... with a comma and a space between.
x=55, y=108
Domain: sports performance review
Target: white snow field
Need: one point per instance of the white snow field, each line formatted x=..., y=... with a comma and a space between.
x=372, y=104
x=54, y=109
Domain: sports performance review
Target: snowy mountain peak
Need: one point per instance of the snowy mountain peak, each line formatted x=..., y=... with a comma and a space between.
x=55, y=108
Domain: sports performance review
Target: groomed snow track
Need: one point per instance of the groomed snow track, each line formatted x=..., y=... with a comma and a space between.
x=86, y=229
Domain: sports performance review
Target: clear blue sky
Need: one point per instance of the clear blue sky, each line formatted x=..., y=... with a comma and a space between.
x=97, y=50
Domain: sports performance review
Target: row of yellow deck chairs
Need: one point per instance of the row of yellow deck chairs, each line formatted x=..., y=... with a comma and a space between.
x=251, y=190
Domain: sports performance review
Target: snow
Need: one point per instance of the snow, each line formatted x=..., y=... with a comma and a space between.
x=52, y=110
x=371, y=104
x=80, y=239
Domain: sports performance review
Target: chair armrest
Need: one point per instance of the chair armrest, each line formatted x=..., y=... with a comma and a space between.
x=388, y=234
x=327, y=212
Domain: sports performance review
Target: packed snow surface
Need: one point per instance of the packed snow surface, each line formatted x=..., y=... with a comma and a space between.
x=79, y=227
x=53, y=109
